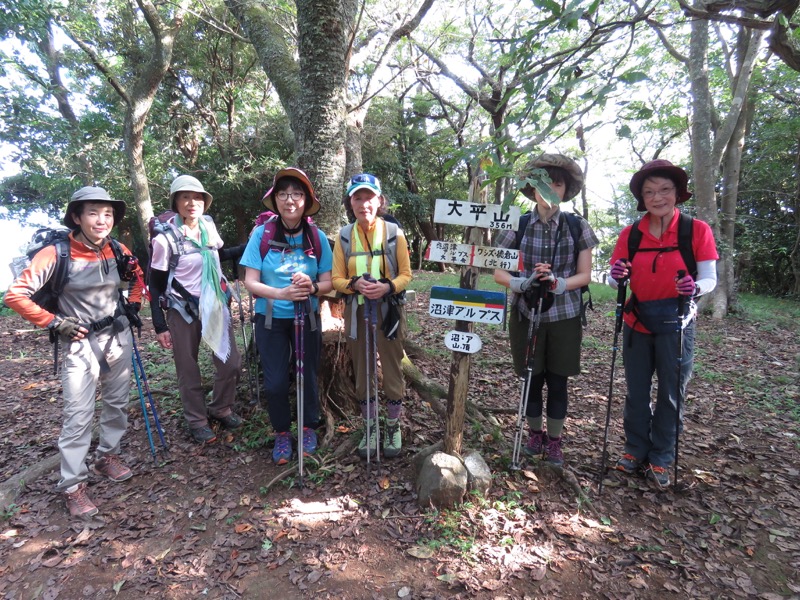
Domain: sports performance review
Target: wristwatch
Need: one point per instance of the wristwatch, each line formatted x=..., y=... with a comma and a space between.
x=316, y=288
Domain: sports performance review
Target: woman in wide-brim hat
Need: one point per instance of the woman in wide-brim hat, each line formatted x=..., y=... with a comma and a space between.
x=191, y=305
x=93, y=326
x=556, y=252
x=661, y=282
x=287, y=264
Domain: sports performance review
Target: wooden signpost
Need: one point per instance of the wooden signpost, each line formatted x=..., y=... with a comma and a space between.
x=466, y=304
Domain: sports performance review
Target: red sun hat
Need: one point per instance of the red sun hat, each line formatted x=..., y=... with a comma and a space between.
x=660, y=168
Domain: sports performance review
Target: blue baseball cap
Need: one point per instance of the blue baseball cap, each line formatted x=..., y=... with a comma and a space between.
x=364, y=181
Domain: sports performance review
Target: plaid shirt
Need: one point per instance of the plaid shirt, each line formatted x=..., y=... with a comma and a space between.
x=538, y=242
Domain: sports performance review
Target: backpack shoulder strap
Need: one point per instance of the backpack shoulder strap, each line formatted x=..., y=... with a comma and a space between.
x=316, y=242
x=268, y=236
x=575, y=230
x=390, y=252
x=685, y=235
x=345, y=239
x=523, y=225
x=60, y=275
x=634, y=239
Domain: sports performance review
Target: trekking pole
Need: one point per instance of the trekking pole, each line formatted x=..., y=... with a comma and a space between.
x=146, y=386
x=371, y=319
x=622, y=290
x=679, y=390
x=253, y=348
x=247, y=358
x=522, y=409
x=299, y=353
x=144, y=411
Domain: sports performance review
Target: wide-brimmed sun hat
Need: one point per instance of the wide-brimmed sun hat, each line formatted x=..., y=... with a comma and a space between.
x=311, y=208
x=187, y=183
x=660, y=168
x=92, y=194
x=556, y=160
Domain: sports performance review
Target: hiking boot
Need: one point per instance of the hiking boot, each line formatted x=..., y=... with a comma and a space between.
x=309, y=441
x=552, y=451
x=658, y=476
x=232, y=421
x=392, y=438
x=535, y=445
x=203, y=435
x=78, y=502
x=373, y=439
x=628, y=464
x=111, y=466
x=282, y=452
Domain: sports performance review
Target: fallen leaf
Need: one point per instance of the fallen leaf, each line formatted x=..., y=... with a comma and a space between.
x=242, y=527
x=420, y=551
x=384, y=483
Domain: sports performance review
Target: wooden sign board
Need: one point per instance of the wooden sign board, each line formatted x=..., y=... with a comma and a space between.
x=477, y=256
x=463, y=341
x=477, y=306
x=471, y=214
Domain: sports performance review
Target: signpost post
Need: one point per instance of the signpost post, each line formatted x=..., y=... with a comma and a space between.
x=466, y=304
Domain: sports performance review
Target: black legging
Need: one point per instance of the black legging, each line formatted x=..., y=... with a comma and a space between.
x=556, y=395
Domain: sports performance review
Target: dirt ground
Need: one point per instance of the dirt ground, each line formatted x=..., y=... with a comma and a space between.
x=213, y=521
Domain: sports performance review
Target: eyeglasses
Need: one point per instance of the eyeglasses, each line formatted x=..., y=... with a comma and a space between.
x=663, y=192
x=296, y=196
x=365, y=178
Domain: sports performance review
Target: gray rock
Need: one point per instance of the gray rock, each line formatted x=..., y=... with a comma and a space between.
x=442, y=481
x=419, y=457
x=479, y=476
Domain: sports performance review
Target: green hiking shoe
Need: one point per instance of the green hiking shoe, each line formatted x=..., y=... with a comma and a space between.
x=373, y=440
x=392, y=438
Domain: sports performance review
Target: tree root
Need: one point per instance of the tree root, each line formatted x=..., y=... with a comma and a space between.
x=343, y=449
x=568, y=477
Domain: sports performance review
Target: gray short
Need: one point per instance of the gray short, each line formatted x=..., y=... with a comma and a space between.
x=558, y=345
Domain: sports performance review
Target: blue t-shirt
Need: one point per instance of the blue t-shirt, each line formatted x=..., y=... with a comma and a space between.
x=277, y=268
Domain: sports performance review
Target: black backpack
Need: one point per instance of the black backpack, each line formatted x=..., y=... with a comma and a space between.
x=47, y=295
x=574, y=226
x=685, y=234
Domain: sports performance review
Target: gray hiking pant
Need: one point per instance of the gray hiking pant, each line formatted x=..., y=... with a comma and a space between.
x=80, y=374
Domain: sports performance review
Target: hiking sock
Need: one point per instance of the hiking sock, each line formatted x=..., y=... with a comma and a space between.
x=535, y=423
x=554, y=427
x=364, y=409
x=394, y=408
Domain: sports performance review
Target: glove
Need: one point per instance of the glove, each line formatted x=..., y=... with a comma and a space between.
x=68, y=328
x=685, y=286
x=558, y=285
x=520, y=285
x=620, y=271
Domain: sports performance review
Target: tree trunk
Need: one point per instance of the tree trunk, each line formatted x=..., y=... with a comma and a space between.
x=324, y=30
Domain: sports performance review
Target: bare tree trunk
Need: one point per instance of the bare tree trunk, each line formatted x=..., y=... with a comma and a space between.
x=794, y=255
x=139, y=95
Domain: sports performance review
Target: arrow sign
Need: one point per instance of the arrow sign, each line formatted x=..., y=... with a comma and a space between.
x=478, y=306
x=477, y=256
